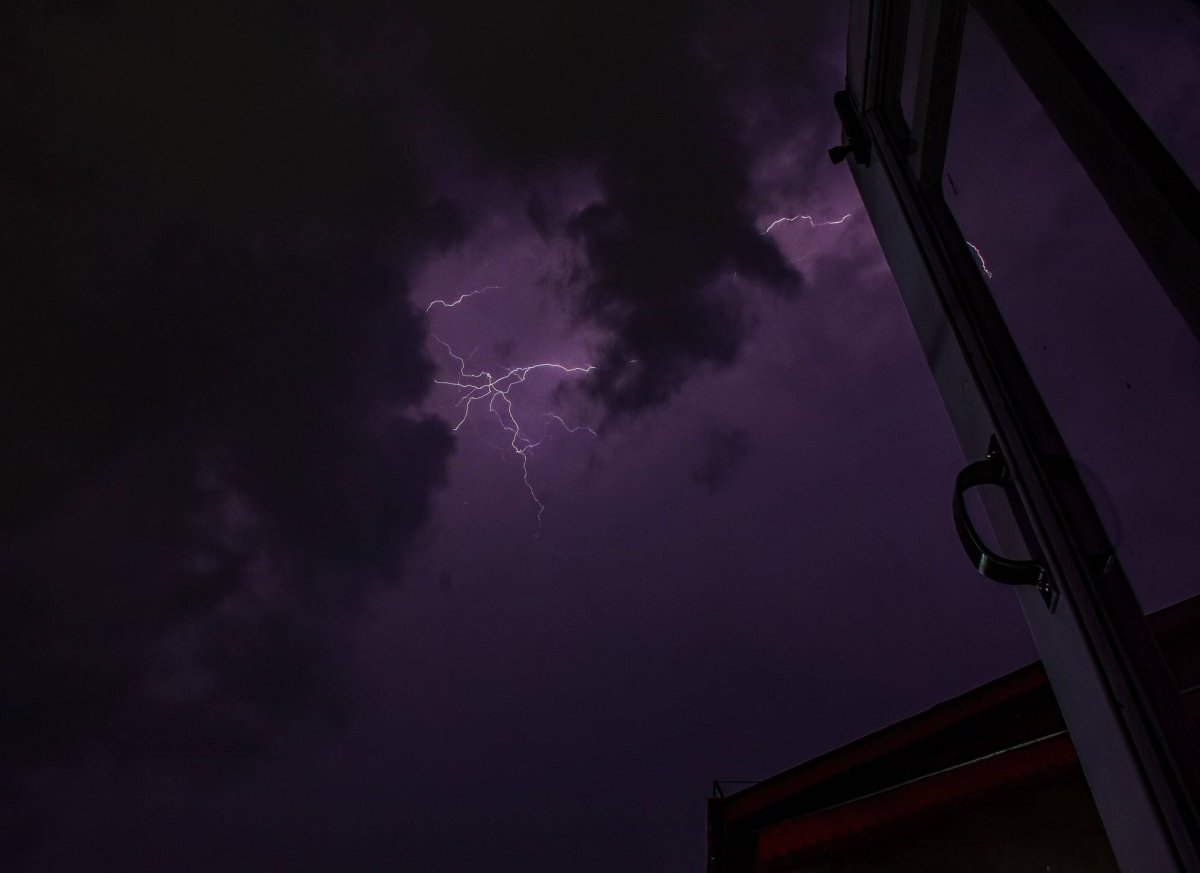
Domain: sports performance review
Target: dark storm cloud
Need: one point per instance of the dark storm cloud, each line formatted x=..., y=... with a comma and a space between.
x=208, y=360
x=648, y=96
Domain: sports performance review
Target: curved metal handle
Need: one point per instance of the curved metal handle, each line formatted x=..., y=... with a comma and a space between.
x=991, y=471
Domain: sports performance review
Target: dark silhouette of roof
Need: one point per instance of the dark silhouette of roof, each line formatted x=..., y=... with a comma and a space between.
x=1004, y=735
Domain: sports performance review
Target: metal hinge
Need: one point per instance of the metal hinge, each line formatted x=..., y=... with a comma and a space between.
x=857, y=144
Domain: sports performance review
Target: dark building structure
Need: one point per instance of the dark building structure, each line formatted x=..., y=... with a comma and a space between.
x=988, y=781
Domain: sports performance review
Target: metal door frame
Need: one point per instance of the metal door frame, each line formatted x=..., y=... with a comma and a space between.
x=1138, y=748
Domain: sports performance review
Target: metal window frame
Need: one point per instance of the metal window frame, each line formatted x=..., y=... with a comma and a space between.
x=1138, y=748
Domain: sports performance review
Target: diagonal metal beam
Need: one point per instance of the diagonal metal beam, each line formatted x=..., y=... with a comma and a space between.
x=1151, y=196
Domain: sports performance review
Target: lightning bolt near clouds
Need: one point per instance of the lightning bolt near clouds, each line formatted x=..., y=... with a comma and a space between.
x=814, y=223
x=485, y=386
x=568, y=427
x=493, y=388
x=808, y=218
x=461, y=297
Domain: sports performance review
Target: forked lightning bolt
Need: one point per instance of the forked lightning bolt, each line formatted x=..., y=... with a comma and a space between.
x=494, y=389
x=568, y=427
x=808, y=218
x=461, y=297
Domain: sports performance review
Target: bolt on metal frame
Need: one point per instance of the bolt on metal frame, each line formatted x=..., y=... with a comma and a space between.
x=1138, y=748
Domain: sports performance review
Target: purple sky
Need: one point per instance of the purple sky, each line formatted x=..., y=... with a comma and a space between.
x=264, y=609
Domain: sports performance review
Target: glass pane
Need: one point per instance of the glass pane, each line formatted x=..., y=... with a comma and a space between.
x=1115, y=362
x=1151, y=49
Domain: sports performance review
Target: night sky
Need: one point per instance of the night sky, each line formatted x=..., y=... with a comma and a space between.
x=275, y=597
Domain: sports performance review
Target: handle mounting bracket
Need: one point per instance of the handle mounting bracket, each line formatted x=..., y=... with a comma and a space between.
x=993, y=470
